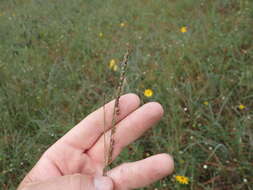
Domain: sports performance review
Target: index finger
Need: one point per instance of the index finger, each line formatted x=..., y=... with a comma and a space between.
x=86, y=133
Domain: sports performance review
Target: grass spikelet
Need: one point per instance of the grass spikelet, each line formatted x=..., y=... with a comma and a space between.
x=116, y=111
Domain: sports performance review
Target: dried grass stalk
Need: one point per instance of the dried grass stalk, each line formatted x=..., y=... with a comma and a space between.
x=108, y=153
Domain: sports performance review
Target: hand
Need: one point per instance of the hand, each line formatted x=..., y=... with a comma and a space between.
x=76, y=161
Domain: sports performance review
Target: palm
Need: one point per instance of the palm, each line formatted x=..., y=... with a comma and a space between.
x=81, y=150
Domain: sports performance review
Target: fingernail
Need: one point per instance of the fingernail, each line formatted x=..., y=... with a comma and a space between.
x=102, y=183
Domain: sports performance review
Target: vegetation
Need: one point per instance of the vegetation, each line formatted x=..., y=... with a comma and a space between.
x=194, y=57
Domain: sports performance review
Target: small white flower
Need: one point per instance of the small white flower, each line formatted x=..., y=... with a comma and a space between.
x=245, y=180
x=147, y=154
x=205, y=166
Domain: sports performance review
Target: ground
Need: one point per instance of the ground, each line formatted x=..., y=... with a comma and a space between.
x=60, y=58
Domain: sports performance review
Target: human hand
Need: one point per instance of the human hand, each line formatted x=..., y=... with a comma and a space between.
x=76, y=161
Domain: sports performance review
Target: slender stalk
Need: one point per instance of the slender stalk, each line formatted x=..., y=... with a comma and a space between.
x=105, y=147
x=116, y=112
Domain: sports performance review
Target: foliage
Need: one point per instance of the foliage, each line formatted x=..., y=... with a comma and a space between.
x=54, y=70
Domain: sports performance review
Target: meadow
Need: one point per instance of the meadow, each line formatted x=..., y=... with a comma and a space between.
x=59, y=58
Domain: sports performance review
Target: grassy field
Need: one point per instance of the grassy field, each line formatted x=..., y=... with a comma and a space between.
x=195, y=55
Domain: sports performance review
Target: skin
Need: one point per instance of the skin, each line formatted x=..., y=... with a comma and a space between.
x=76, y=160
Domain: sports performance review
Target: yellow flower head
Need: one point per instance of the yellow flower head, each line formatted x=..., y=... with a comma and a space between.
x=148, y=92
x=206, y=103
x=242, y=107
x=100, y=34
x=183, y=29
x=113, y=65
x=122, y=24
x=182, y=179
x=115, y=68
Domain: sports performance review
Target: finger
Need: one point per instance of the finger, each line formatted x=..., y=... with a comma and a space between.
x=141, y=173
x=76, y=182
x=128, y=130
x=84, y=134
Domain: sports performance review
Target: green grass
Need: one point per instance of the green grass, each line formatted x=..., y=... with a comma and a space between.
x=54, y=71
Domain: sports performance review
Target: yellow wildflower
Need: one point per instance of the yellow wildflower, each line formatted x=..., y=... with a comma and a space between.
x=148, y=92
x=183, y=29
x=182, y=179
x=115, y=68
x=206, y=103
x=100, y=34
x=242, y=107
x=122, y=24
x=113, y=65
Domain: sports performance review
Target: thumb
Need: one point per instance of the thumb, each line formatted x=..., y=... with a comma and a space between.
x=76, y=181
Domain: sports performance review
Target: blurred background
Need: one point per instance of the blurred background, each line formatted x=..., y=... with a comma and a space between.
x=59, y=58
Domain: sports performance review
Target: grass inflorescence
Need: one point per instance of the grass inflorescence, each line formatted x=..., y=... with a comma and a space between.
x=116, y=111
x=194, y=57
